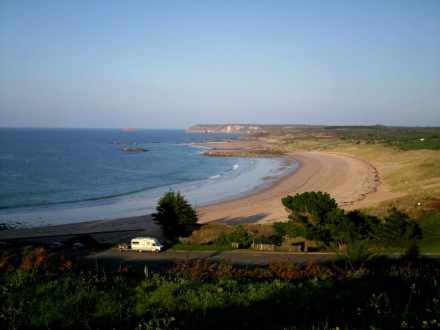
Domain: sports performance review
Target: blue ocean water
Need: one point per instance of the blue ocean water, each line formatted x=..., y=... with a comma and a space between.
x=53, y=176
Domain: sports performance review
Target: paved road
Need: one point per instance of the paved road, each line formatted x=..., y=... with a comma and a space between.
x=244, y=257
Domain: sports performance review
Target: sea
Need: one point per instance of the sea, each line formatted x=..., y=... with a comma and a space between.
x=59, y=176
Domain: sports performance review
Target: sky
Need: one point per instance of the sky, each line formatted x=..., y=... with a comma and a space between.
x=171, y=64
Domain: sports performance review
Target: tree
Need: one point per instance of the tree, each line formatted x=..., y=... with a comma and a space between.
x=398, y=226
x=175, y=215
x=314, y=204
x=324, y=221
x=317, y=211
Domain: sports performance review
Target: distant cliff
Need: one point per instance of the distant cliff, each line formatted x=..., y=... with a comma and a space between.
x=227, y=128
x=253, y=129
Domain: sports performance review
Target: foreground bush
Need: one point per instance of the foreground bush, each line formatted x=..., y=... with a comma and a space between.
x=386, y=294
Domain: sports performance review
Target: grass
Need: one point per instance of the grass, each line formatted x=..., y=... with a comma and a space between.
x=404, y=138
x=430, y=243
x=430, y=224
x=413, y=173
x=206, y=234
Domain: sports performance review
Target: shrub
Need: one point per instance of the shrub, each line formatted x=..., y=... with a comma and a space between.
x=284, y=270
x=316, y=211
x=389, y=294
x=289, y=229
x=412, y=250
x=207, y=233
x=272, y=239
x=398, y=228
x=323, y=221
x=309, y=204
x=238, y=235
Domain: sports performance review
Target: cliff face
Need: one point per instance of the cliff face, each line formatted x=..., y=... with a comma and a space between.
x=228, y=128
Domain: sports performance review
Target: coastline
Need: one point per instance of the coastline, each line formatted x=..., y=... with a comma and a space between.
x=348, y=179
x=246, y=176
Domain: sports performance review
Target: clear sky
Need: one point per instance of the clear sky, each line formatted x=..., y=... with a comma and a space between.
x=170, y=64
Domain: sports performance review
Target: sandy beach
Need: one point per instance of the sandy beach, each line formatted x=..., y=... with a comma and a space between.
x=351, y=181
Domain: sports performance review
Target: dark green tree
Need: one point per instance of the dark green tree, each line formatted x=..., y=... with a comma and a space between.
x=311, y=204
x=399, y=227
x=317, y=211
x=324, y=221
x=175, y=215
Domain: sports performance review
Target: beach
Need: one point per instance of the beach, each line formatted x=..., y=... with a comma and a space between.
x=347, y=179
x=351, y=181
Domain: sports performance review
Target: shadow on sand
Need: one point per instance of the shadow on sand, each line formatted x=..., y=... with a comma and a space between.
x=242, y=220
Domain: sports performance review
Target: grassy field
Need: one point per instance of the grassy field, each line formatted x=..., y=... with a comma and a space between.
x=403, y=138
x=408, y=159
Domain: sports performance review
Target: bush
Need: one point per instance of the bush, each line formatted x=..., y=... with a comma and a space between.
x=317, y=212
x=272, y=239
x=323, y=221
x=412, y=250
x=312, y=204
x=197, y=294
x=175, y=215
x=398, y=228
x=207, y=234
x=239, y=235
x=289, y=229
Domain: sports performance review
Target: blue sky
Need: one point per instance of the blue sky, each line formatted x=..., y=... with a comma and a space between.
x=170, y=64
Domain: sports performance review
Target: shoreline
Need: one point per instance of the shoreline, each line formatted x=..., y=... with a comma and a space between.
x=348, y=179
x=248, y=176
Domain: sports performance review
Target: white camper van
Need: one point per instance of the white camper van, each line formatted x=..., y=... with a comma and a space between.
x=146, y=244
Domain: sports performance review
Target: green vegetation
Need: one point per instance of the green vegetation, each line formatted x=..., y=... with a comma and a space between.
x=179, y=246
x=324, y=221
x=405, y=138
x=289, y=229
x=239, y=235
x=379, y=294
x=430, y=224
x=317, y=223
x=406, y=158
x=175, y=216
